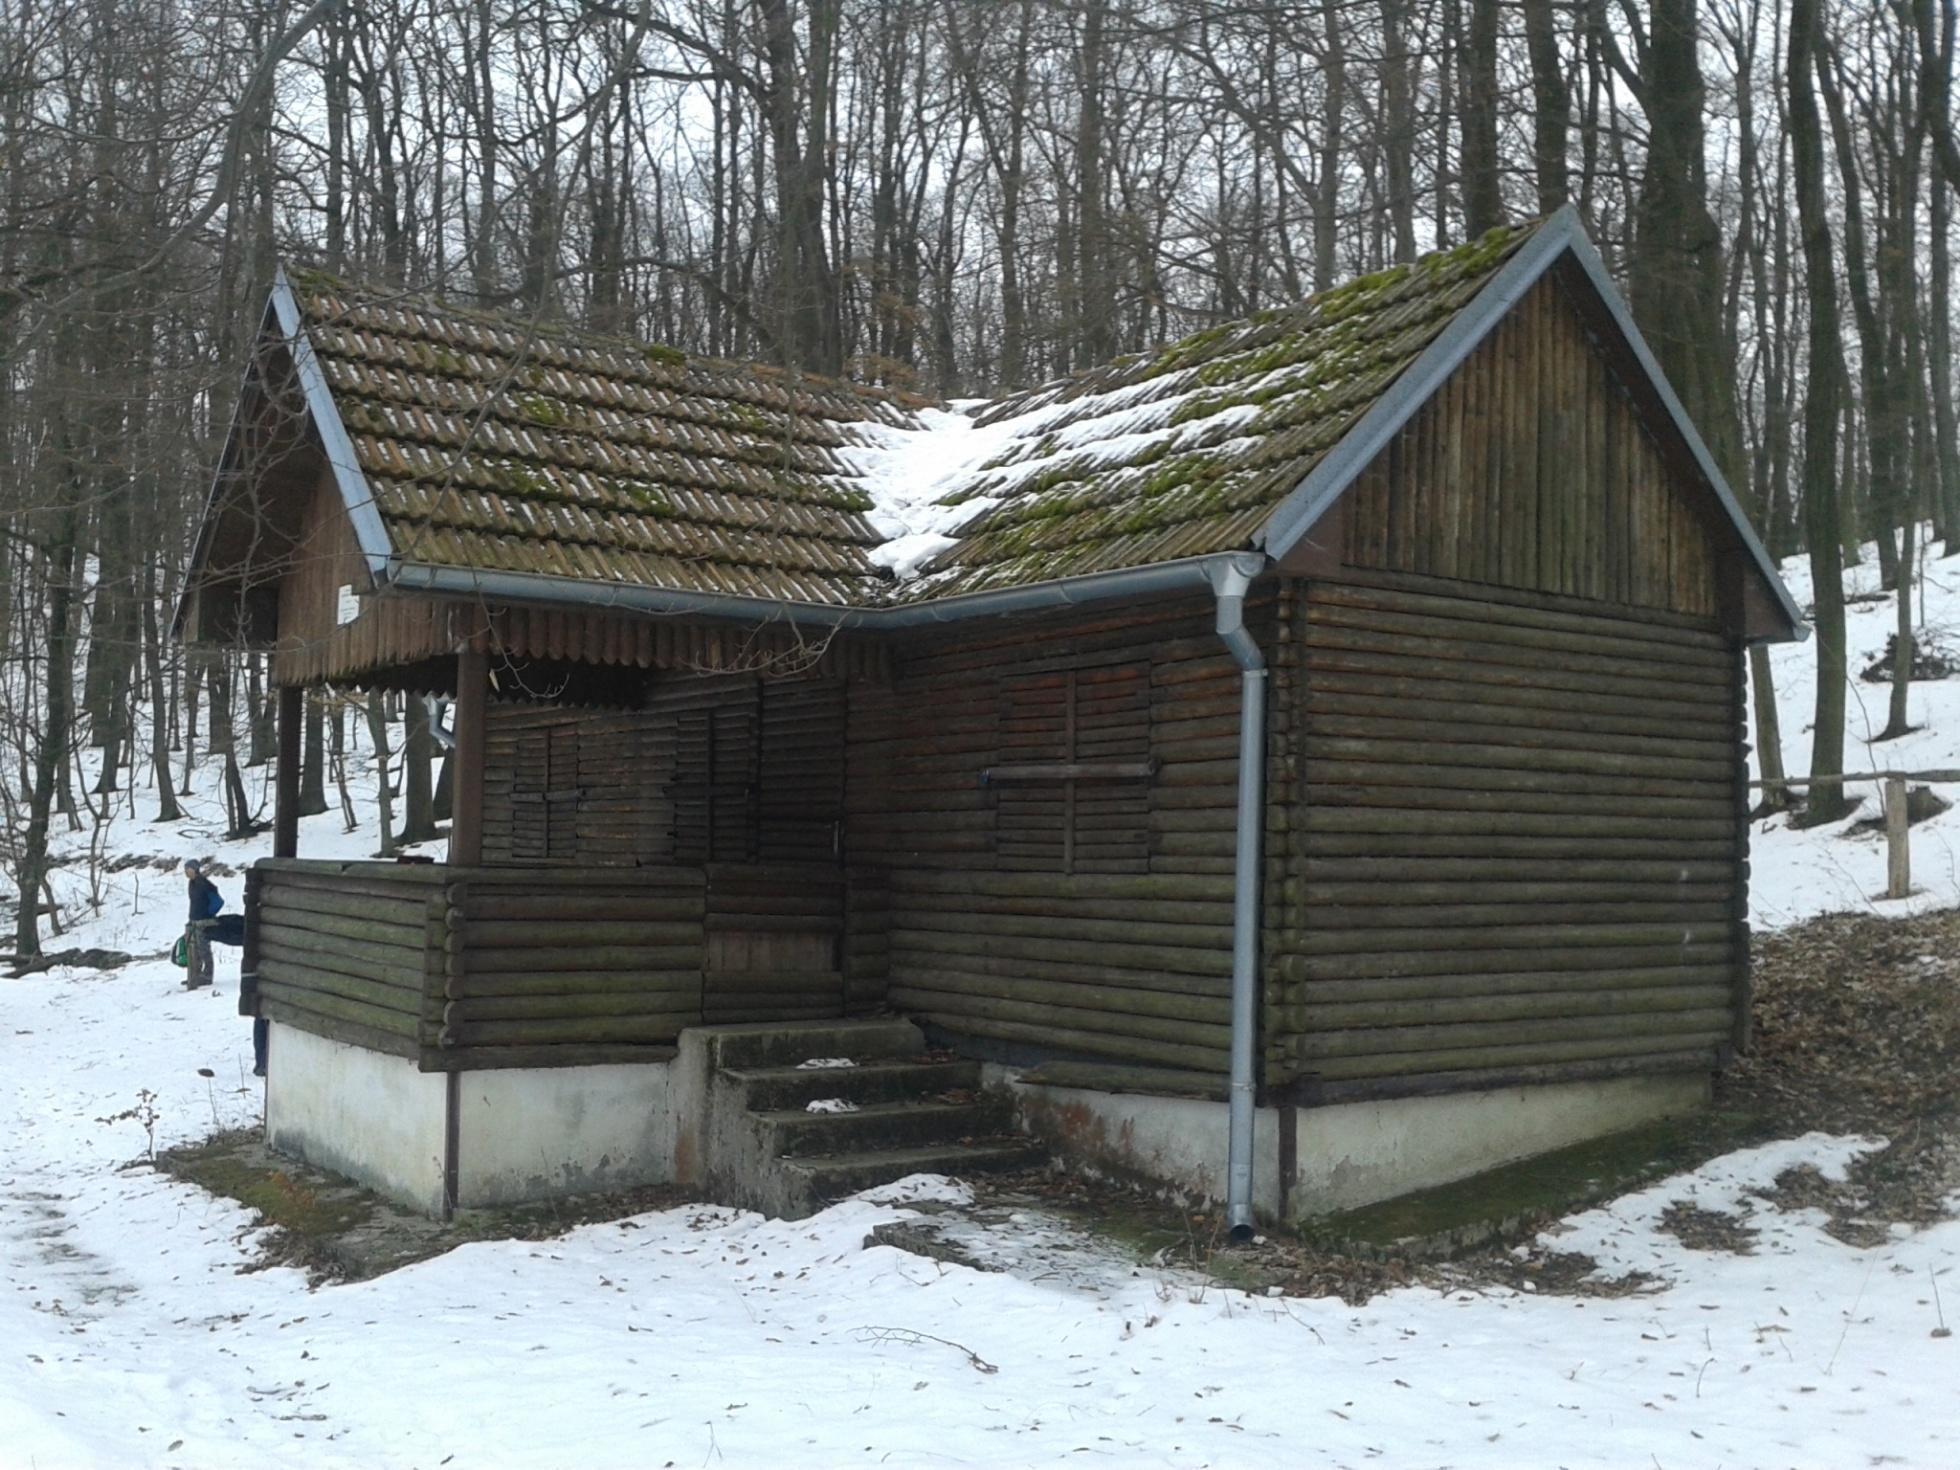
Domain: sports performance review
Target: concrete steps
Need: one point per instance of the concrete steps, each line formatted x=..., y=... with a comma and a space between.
x=888, y=1079
x=887, y=1125
x=786, y=1043
x=888, y=1110
x=834, y=1176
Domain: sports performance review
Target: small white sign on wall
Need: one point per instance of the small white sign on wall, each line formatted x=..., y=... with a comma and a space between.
x=347, y=606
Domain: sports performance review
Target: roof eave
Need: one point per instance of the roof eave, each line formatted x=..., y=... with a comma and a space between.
x=1561, y=235
x=1185, y=574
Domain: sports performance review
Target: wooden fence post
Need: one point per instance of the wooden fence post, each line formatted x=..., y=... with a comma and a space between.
x=1898, y=846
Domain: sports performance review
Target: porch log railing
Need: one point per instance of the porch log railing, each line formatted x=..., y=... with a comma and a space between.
x=471, y=966
x=343, y=950
x=583, y=959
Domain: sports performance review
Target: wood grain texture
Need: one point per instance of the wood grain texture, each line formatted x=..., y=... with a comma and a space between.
x=1536, y=871
x=1553, y=482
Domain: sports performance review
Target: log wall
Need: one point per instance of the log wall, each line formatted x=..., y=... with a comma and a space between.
x=732, y=776
x=1510, y=843
x=1084, y=915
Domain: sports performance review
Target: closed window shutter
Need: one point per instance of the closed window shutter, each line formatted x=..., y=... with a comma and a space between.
x=800, y=781
x=1098, y=715
x=1111, y=819
x=1031, y=821
x=545, y=795
x=714, y=787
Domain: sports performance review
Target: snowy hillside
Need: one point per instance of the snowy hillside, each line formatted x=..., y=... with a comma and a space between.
x=1798, y=874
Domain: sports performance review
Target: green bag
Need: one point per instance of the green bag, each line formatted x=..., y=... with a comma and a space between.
x=180, y=953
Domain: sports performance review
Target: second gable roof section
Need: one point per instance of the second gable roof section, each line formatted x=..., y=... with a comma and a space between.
x=1188, y=450
x=1561, y=237
x=467, y=441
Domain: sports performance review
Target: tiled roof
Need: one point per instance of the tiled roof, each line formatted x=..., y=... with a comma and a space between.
x=1185, y=451
x=495, y=445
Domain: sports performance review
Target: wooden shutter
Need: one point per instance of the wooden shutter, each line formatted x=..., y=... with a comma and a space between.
x=800, y=771
x=545, y=796
x=714, y=787
x=1031, y=818
x=1111, y=817
x=1060, y=807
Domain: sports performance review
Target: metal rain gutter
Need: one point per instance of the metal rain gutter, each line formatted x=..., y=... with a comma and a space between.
x=1230, y=579
x=1189, y=574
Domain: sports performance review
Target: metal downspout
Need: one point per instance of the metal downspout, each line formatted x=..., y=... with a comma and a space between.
x=1230, y=582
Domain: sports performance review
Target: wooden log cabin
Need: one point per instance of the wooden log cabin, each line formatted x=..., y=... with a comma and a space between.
x=1310, y=767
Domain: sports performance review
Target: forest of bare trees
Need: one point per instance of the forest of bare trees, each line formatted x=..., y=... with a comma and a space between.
x=945, y=196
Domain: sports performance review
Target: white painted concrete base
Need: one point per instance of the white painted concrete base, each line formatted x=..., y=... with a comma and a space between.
x=1346, y=1154
x=361, y=1113
x=522, y=1134
x=540, y=1132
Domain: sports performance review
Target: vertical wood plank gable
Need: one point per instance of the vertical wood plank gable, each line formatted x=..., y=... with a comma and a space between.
x=1530, y=468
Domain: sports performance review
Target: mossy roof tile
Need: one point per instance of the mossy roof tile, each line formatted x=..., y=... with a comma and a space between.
x=498, y=444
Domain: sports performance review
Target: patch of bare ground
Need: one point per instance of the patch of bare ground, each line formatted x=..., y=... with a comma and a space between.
x=335, y=1230
x=1543, y=1272
x=1856, y=1025
x=1857, y=1030
x=1708, y=1230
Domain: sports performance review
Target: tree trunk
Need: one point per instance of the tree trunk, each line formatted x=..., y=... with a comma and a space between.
x=1483, y=195
x=1820, y=421
x=51, y=752
x=313, y=764
x=384, y=793
x=1551, y=106
x=167, y=808
x=418, y=807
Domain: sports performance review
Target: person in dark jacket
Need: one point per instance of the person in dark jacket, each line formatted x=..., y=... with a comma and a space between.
x=205, y=901
x=206, y=927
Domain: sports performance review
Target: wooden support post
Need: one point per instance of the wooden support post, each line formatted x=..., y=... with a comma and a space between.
x=285, y=798
x=466, y=813
x=1898, y=844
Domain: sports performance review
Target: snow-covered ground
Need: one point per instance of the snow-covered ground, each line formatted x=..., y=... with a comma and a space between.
x=711, y=1338
x=1799, y=874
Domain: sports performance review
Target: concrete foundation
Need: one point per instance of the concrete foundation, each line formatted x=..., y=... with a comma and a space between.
x=540, y=1132
x=521, y=1134
x=1346, y=1154
x=535, y=1133
x=361, y=1113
